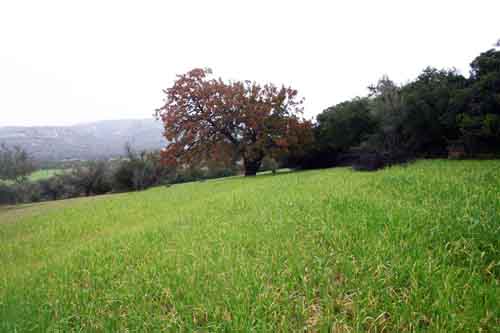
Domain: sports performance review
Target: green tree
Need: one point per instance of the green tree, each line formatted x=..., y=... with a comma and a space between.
x=138, y=171
x=387, y=107
x=480, y=120
x=54, y=187
x=430, y=106
x=15, y=164
x=91, y=178
x=345, y=125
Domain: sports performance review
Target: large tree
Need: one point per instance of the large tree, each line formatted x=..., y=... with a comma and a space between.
x=207, y=118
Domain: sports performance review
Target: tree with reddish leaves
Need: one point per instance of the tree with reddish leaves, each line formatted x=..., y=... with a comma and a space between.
x=207, y=118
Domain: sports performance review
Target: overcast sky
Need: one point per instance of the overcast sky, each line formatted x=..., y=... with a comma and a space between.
x=65, y=62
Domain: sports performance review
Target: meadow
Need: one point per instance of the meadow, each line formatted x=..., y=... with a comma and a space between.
x=45, y=173
x=408, y=249
x=38, y=175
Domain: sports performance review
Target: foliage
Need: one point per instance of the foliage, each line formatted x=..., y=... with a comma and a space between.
x=431, y=109
x=138, y=171
x=404, y=249
x=91, y=179
x=345, y=125
x=423, y=118
x=57, y=187
x=207, y=118
x=480, y=121
x=389, y=112
x=15, y=164
x=27, y=191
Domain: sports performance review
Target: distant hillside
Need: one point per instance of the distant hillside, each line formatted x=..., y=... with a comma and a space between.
x=100, y=139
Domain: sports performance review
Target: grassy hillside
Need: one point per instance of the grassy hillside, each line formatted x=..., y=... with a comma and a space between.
x=402, y=249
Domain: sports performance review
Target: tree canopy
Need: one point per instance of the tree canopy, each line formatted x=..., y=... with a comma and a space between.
x=346, y=124
x=428, y=117
x=15, y=164
x=210, y=118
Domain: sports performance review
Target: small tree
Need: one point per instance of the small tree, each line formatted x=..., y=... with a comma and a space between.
x=207, y=118
x=54, y=187
x=387, y=107
x=27, y=191
x=138, y=171
x=15, y=164
x=92, y=178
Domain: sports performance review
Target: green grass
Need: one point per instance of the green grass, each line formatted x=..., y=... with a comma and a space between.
x=412, y=248
x=44, y=174
x=38, y=175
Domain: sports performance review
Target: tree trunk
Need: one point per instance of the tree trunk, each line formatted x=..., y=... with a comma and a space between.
x=252, y=166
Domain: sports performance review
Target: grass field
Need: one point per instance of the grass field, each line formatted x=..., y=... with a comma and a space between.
x=39, y=175
x=404, y=249
x=44, y=174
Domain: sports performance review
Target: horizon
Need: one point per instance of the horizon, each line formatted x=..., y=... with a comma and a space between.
x=81, y=123
x=59, y=70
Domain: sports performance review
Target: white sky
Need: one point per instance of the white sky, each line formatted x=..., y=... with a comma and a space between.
x=68, y=61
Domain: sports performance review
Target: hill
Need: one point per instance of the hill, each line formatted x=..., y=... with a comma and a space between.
x=100, y=139
x=404, y=249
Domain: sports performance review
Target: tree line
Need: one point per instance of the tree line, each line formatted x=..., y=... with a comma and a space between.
x=441, y=113
x=135, y=171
